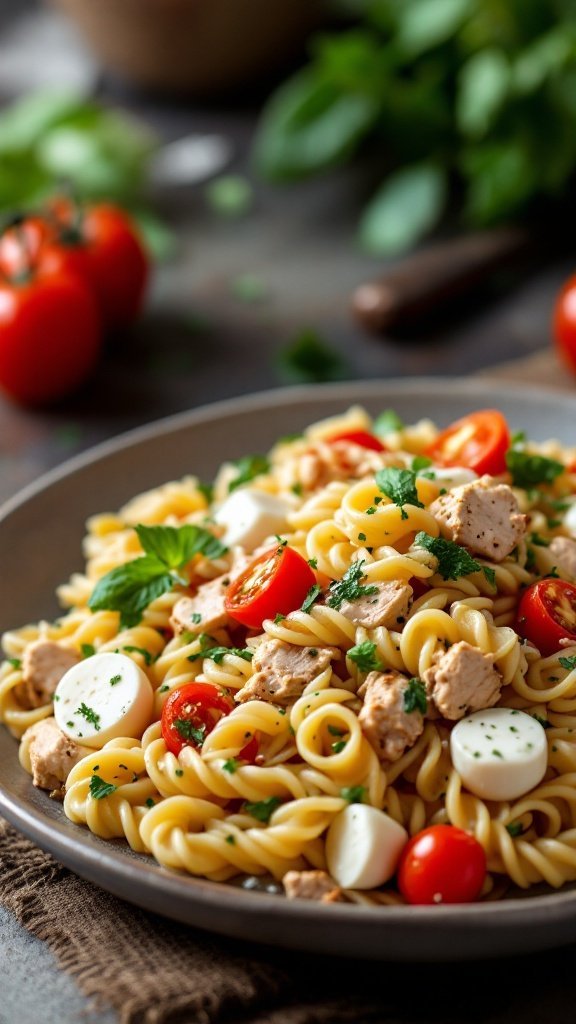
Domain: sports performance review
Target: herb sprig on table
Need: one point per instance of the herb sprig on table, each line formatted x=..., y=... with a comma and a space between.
x=444, y=90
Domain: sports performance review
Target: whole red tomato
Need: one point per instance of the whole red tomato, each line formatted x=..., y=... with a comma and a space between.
x=442, y=864
x=101, y=243
x=564, y=322
x=49, y=335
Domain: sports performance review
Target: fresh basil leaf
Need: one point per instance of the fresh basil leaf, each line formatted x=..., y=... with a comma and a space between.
x=406, y=207
x=312, y=122
x=130, y=588
x=176, y=546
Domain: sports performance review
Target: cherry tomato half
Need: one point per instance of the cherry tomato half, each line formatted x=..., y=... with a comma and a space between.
x=478, y=441
x=49, y=336
x=190, y=713
x=360, y=437
x=547, y=614
x=564, y=323
x=442, y=864
x=277, y=581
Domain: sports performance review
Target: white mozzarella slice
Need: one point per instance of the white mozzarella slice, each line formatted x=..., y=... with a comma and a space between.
x=450, y=476
x=363, y=846
x=570, y=519
x=251, y=516
x=104, y=696
x=499, y=753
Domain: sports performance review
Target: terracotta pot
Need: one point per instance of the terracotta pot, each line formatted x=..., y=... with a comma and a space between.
x=200, y=46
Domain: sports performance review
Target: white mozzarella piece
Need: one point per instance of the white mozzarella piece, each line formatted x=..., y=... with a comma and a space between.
x=363, y=846
x=115, y=696
x=450, y=476
x=251, y=516
x=570, y=519
x=499, y=753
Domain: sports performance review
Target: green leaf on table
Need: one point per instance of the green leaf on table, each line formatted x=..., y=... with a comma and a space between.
x=311, y=123
x=230, y=195
x=483, y=85
x=406, y=207
x=22, y=123
x=310, y=359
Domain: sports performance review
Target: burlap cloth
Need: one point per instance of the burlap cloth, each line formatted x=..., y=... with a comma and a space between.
x=152, y=971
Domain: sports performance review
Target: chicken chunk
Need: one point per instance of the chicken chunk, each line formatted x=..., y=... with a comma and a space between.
x=43, y=665
x=384, y=720
x=312, y=885
x=208, y=603
x=52, y=754
x=563, y=550
x=482, y=516
x=282, y=671
x=388, y=607
x=461, y=680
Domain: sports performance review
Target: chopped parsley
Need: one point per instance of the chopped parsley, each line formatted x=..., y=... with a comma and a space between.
x=248, y=467
x=230, y=840
x=538, y=540
x=353, y=794
x=568, y=663
x=530, y=470
x=350, y=588
x=114, y=680
x=338, y=746
x=420, y=462
x=148, y=658
x=231, y=765
x=400, y=486
x=263, y=810
x=335, y=731
x=311, y=597
x=415, y=697
x=361, y=536
x=131, y=587
x=388, y=422
x=179, y=772
x=164, y=688
x=150, y=802
x=297, y=489
x=90, y=715
x=99, y=788
x=364, y=656
x=313, y=563
x=515, y=828
x=453, y=561
x=188, y=731
x=15, y=662
x=278, y=618
x=87, y=650
x=196, y=618
x=217, y=653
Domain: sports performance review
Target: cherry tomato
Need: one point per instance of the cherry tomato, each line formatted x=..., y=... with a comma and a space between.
x=442, y=864
x=478, y=441
x=249, y=753
x=102, y=243
x=564, y=323
x=49, y=336
x=360, y=437
x=20, y=246
x=547, y=614
x=277, y=581
x=190, y=713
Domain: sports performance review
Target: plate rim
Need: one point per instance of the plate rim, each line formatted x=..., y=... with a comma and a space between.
x=78, y=851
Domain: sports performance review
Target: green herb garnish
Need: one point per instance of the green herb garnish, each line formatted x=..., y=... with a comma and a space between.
x=311, y=597
x=350, y=588
x=99, y=788
x=131, y=587
x=148, y=658
x=188, y=731
x=400, y=486
x=353, y=794
x=388, y=422
x=530, y=470
x=364, y=655
x=248, y=467
x=90, y=715
x=515, y=828
x=453, y=561
x=415, y=697
x=231, y=765
x=263, y=810
x=568, y=663
x=115, y=680
x=87, y=650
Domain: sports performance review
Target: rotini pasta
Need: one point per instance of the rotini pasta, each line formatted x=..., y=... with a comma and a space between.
x=267, y=704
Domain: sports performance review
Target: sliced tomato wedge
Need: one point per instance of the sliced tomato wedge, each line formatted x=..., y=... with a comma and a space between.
x=478, y=441
x=360, y=437
x=249, y=753
x=190, y=713
x=276, y=582
x=547, y=614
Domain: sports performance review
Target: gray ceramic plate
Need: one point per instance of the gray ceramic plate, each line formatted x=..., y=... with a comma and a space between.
x=40, y=535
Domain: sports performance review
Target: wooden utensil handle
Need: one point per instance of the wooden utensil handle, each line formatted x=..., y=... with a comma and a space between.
x=430, y=278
